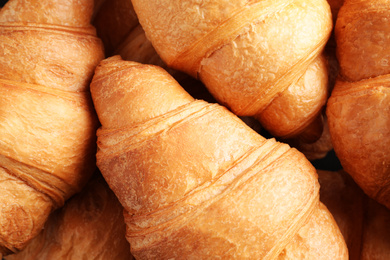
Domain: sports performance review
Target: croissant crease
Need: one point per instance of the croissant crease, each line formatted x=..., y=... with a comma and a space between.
x=196, y=182
x=48, y=53
x=251, y=55
x=359, y=107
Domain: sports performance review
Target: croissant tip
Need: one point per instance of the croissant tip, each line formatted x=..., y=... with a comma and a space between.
x=118, y=60
x=110, y=65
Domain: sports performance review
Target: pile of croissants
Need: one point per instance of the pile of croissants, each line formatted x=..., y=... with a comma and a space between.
x=191, y=129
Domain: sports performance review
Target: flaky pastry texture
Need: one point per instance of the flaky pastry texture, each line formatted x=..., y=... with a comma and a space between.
x=48, y=53
x=249, y=54
x=196, y=182
x=359, y=107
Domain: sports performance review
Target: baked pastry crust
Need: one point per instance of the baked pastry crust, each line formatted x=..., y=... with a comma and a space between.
x=239, y=51
x=48, y=124
x=197, y=182
x=359, y=107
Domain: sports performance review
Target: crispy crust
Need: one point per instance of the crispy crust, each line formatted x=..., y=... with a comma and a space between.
x=195, y=181
x=237, y=49
x=48, y=123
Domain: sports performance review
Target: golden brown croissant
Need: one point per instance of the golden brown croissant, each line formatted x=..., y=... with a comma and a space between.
x=48, y=53
x=359, y=107
x=321, y=148
x=363, y=222
x=118, y=27
x=259, y=58
x=196, y=182
x=89, y=226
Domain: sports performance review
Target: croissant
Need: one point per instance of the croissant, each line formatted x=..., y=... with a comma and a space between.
x=48, y=53
x=89, y=226
x=359, y=106
x=196, y=182
x=363, y=222
x=322, y=147
x=254, y=57
x=118, y=27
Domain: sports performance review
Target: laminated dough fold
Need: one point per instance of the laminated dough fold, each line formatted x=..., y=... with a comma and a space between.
x=359, y=107
x=196, y=182
x=48, y=53
x=259, y=58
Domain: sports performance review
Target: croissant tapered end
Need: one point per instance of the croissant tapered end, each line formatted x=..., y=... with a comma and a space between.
x=76, y=13
x=48, y=53
x=113, y=79
x=364, y=150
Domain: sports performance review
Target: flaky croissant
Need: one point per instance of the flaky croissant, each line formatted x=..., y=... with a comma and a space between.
x=259, y=58
x=48, y=53
x=89, y=226
x=196, y=182
x=118, y=27
x=359, y=107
